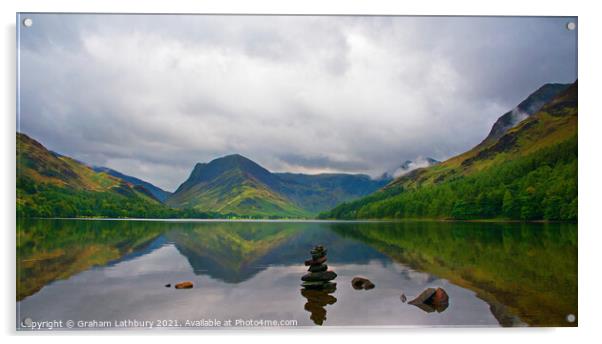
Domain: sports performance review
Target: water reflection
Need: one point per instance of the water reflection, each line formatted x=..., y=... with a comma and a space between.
x=317, y=300
x=70, y=269
x=526, y=269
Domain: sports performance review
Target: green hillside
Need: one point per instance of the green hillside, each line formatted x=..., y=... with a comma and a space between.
x=528, y=173
x=234, y=184
x=320, y=192
x=237, y=185
x=157, y=192
x=52, y=185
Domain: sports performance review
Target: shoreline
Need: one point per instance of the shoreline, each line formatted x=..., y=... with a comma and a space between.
x=297, y=220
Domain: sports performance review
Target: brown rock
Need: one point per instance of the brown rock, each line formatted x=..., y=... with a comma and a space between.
x=319, y=285
x=318, y=268
x=318, y=252
x=324, y=276
x=184, y=285
x=431, y=300
x=318, y=261
x=359, y=283
x=440, y=297
x=318, y=249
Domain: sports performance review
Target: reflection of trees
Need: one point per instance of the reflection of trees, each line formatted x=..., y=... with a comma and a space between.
x=48, y=249
x=317, y=300
x=504, y=263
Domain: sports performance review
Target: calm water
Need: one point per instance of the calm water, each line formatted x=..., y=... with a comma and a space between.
x=494, y=274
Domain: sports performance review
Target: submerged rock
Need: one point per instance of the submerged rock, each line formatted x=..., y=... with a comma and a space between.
x=184, y=285
x=431, y=300
x=359, y=283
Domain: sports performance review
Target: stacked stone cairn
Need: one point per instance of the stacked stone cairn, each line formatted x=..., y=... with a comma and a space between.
x=319, y=276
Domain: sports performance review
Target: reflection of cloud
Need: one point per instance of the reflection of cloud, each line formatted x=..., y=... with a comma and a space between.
x=274, y=293
x=162, y=259
x=152, y=95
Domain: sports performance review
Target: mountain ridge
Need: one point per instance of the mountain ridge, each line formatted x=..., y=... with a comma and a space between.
x=526, y=108
x=528, y=173
x=53, y=185
x=155, y=191
x=236, y=184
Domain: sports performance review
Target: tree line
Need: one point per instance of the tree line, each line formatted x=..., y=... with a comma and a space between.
x=539, y=186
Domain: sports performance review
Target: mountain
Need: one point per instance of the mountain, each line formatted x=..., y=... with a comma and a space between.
x=320, y=192
x=526, y=172
x=53, y=185
x=157, y=192
x=236, y=185
x=526, y=108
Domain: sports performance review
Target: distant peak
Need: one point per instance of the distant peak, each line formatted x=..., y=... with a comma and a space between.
x=528, y=107
x=206, y=172
x=234, y=156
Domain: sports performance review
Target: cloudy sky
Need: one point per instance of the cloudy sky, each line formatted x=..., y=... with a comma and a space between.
x=151, y=95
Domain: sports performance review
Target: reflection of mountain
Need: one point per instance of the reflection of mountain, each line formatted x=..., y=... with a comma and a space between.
x=48, y=250
x=142, y=250
x=233, y=252
x=236, y=251
x=531, y=269
x=228, y=251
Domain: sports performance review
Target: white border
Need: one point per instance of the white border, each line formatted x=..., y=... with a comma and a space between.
x=590, y=124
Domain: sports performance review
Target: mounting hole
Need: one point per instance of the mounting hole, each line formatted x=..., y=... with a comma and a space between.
x=27, y=22
x=571, y=26
x=27, y=322
x=571, y=318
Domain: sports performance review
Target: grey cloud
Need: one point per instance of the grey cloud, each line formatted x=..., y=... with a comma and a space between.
x=151, y=95
x=323, y=163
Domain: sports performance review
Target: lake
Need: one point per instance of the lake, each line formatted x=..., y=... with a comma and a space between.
x=105, y=272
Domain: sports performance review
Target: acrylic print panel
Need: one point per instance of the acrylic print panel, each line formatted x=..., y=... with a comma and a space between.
x=221, y=171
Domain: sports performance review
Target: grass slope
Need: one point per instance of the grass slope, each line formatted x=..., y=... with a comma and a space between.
x=234, y=190
x=157, y=192
x=529, y=173
x=235, y=184
x=52, y=185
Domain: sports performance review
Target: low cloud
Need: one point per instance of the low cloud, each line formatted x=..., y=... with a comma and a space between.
x=152, y=95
